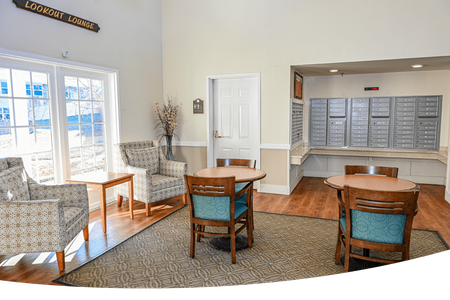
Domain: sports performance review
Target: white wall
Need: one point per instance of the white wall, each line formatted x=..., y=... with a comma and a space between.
x=129, y=40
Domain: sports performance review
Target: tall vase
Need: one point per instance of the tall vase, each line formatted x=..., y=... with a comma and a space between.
x=169, y=154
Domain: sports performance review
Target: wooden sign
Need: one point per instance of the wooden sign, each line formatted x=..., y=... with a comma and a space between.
x=56, y=14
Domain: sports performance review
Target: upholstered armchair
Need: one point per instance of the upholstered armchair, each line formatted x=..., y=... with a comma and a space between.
x=39, y=218
x=155, y=178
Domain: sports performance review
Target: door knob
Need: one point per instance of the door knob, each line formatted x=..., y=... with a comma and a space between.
x=217, y=136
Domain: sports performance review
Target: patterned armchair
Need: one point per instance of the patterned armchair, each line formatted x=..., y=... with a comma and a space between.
x=39, y=218
x=155, y=178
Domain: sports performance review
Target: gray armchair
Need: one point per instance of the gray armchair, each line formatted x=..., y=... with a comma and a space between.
x=155, y=178
x=39, y=218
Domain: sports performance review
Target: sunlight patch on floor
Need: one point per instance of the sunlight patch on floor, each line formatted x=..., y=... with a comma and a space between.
x=12, y=261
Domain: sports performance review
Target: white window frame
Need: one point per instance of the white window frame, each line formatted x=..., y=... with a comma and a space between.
x=57, y=69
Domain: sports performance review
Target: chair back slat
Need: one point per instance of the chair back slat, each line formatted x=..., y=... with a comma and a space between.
x=372, y=170
x=398, y=202
x=226, y=162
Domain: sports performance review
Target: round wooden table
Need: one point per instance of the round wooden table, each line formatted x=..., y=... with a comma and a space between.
x=242, y=174
x=370, y=182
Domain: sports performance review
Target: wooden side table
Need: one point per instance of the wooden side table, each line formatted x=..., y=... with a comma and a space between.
x=103, y=180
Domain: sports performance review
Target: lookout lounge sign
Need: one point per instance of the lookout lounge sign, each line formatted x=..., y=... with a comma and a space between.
x=56, y=14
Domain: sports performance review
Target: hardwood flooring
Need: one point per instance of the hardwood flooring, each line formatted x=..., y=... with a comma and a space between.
x=310, y=198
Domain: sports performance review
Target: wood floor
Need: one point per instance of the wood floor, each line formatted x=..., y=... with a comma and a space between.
x=310, y=198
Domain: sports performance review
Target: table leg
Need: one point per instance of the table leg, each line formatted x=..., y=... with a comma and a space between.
x=130, y=196
x=102, y=194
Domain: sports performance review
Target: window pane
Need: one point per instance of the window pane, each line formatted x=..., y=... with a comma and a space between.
x=6, y=142
x=23, y=112
x=72, y=112
x=74, y=136
x=43, y=139
x=98, y=111
x=88, y=158
x=98, y=134
x=40, y=167
x=75, y=160
x=100, y=157
x=40, y=85
x=5, y=82
x=86, y=111
x=41, y=112
x=22, y=83
x=97, y=90
x=25, y=139
x=5, y=116
x=86, y=130
x=71, y=87
x=84, y=85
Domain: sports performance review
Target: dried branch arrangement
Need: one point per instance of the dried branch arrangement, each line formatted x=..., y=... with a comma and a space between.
x=167, y=114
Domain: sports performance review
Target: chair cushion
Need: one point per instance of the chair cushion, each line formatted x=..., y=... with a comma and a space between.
x=379, y=228
x=13, y=185
x=242, y=198
x=146, y=158
x=72, y=214
x=162, y=182
x=239, y=186
x=215, y=208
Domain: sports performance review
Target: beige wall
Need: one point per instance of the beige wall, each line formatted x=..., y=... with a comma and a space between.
x=213, y=37
x=129, y=40
x=194, y=156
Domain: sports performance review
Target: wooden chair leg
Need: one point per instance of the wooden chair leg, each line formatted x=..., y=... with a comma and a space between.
x=249, y=232
x=61, y=260
x=338, y=246
x=192, y=240
x=119, y=200
x=202, y=229
x=184, y=199
x=233, y=245
x=147, y=209
x=86, y=233
x=347, y=256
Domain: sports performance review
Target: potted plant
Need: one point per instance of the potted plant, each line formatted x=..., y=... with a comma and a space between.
x=167, y=114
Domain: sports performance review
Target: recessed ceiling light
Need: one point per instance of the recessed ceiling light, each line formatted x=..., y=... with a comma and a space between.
x=334, y=70
x=417, y=66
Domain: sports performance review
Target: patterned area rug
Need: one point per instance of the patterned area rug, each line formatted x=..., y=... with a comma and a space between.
x=285, y=248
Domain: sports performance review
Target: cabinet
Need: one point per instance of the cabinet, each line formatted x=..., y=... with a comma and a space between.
x=378, y=122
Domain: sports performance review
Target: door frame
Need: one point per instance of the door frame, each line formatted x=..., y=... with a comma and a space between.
x=210, y=114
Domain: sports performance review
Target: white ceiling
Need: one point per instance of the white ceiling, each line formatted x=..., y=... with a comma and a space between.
x=380, y=66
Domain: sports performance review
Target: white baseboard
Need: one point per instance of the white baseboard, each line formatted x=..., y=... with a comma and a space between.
x=447, y=196
x=274, y=189
x=295, y=182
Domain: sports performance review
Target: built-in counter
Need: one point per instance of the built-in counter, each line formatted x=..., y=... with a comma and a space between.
x=421, y=166
x=301, y=153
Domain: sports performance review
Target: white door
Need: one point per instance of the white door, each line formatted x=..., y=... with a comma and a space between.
x=236, y=118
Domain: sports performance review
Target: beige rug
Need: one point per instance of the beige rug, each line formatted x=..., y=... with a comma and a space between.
x=285, y=248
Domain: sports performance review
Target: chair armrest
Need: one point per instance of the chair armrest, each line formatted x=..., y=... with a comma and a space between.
x=71, y=194
x=143, y=177
x=173, y=168
x=32, y=226
x=244, y=190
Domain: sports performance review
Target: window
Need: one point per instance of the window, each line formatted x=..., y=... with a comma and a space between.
x=61, y=119
x=85, y=124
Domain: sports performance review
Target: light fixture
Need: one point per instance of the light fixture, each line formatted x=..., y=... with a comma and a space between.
x=417, y=66
x=334, y=70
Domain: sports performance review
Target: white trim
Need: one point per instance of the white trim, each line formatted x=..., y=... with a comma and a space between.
x=53, y=61
x=295, y=182
x=447, y=196
x=274, y=189
x=275, y=146
x=210, y=114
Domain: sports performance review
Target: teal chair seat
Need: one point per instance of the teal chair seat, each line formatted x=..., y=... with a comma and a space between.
x=374, y=227
x=242, y=199
x=216, y=208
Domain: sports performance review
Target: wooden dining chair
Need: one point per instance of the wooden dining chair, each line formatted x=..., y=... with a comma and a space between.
x=372, y=170
x=212, y=203
x=226, y=162
x=240, y=162
x=378, y=220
